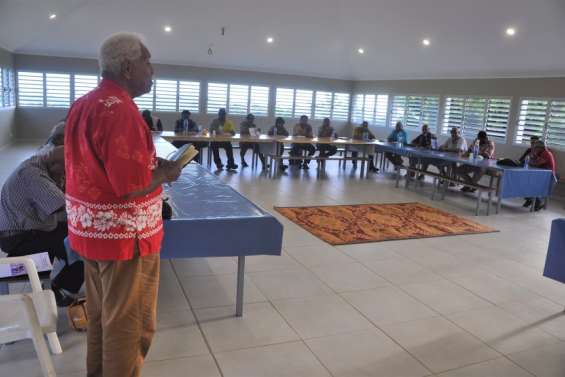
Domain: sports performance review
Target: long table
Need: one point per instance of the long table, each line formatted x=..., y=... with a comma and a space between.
x=210, y=219
x=511, y=182
x=272, y=142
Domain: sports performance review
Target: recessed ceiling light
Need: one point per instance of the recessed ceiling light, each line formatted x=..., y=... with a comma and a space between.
x=511, y=31
x=167, y=29
x=270, y=39
x=361, y=51
x=52, y=16
x=426, y=42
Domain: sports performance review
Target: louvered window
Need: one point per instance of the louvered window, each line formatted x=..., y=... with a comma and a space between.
x=189, y=96
x=3, y=88
x=413, y=111
x=166, y=95
x=372, y=108
x=544, y=118
x=146, y=101
x=323, y=107
x=259, y=101
x=284, y=105
x=474, y=114
x=217, y=97
x=340, y=107
x=303, y=103
x=9, y=88
x=238, y=99
x=84, y=84
x=31, y=89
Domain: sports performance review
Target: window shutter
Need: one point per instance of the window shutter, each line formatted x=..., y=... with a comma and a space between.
x=239, y=99
x=58, y=89
x=30, y=89
x=323, y=108
x=284, y=106
x=303, y=103
x=413, y=115
x=533, y=115
x=84, y=84
x=357, y=116
x=498, y=114
x=340, y=108
x=474, y=116
x=430, y=111
x=259, y=101
x=146, y=101
x=398, y=110
x=453, y=114
x=413, y=111
x=189, y=96
x=3, y=89
x=381, y=110
x=369, y=108
x=166, y=95
x=217, y=97
x=556, y=124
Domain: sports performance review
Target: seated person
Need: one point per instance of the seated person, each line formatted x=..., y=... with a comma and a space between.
x=302, y=128
x=359, y=133
x=152, y=122
x=486, y=150
x=188, y=126
x=33, y=218
x=222, y=126
x=326, y=131
x=244, y=130
x=424, y=140
x=398, y=135
x=455, y=144
x=533, y=140
x=279, y=130
x=56, y=138
x=541, y=158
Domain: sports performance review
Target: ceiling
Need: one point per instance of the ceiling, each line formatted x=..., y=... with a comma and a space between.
x=312, y=37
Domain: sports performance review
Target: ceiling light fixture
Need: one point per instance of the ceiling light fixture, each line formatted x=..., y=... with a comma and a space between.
x=426, y=42
x=270, y=39
x=511, y=31
x=361, y=51
x=167, y=29
x=52, y=16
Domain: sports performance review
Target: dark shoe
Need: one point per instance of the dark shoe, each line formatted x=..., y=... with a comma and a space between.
x=421, y=177
x=62, y=298
x=244, y=164
x=219, y=166
x=373, y=169
x=465, y=189
x=305, y=166
x=283, y=167
x=232, y=167
x=527, y=203
x=538, y=206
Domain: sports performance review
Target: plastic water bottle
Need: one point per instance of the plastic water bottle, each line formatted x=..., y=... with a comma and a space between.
x=213, y=133
x=527, y=162
x=434, y=144
x=475, y=150
x=365, y=135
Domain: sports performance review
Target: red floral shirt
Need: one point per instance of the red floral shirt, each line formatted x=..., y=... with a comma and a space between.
x=109, y=153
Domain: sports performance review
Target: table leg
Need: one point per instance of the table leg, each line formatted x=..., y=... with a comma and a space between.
x=240, y=280
x=363, y=163
x=479, y=198
x=498, y=194
x=4, y=288
x=209, y=157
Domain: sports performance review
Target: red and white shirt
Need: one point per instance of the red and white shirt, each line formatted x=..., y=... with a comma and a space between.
x=109, y=153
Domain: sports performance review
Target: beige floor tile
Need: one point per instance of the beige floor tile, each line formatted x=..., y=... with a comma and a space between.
x=204, y=266
x=541, y=313
x=501, y=330
x=388, y=305
x=201, y=366
x=365, y=354
x=311, y=256
x=259, y=263
x=348, y=277
x=494, y=368
x=548, y=361
x=174, y=343
x=401, y=271
x=439, y=344
x=280, y=360
x=260, y=325
x=218, y=290
x=445, y=297
x=321, y=316
x=289, y=284
x=368, y=251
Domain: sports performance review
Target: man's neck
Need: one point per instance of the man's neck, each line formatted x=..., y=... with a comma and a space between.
x=120, y=81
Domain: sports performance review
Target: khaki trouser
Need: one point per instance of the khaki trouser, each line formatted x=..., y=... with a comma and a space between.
x=122, y=311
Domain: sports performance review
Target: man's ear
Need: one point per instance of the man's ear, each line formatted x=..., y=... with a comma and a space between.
x=126, y=69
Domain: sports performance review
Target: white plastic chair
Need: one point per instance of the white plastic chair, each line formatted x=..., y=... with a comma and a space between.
x=30, y=316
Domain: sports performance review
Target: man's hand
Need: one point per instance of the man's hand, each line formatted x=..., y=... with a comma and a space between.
x=167, y=171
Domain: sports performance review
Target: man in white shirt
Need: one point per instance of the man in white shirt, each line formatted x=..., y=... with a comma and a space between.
x=455, y=144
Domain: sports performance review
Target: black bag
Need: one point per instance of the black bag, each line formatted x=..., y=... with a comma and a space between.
x=167, y=211
x=508, y=162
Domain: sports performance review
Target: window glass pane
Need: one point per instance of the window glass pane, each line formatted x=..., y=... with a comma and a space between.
x=556, y=124
x=303, y=103
x=189, y=96
x=398, y=110
x=381, y=110
x=217, y=97
x=166, y=95
x=531, y=121
x=340, y=109
x=58, y=89
x=284, y=106
x=453, y=114
x=30, y=89
x=323, y=105
x=498, y=114
x=259, y=103
x=3, y=89
x=430, y=111
x=239, y=99
x=84, y=84
x=369, y=108
x=357, y=116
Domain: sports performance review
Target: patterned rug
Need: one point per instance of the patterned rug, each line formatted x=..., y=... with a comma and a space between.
x=347, y=224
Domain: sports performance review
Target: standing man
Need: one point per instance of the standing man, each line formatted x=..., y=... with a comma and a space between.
x=302, y=129
x=222, y=126
x=113, y=202
x=326, y=131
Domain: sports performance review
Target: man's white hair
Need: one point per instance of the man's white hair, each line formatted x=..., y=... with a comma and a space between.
x=117, y=49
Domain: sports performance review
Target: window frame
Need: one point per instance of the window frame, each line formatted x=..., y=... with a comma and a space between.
x=440, y=100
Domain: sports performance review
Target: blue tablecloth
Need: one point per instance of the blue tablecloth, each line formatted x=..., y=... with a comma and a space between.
x=555, y=260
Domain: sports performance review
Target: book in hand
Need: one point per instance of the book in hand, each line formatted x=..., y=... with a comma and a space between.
x=184, y=154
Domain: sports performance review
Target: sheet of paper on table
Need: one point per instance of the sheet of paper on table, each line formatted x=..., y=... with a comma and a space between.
x=41, y=260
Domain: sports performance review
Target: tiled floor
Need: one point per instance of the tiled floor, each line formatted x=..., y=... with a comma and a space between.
x=453, y=307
